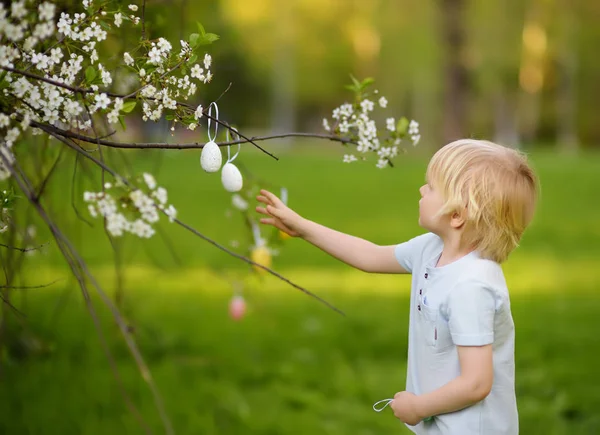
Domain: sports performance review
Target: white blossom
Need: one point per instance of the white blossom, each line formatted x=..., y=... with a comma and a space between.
x=382, y=163
x=133, y=8
x=413, y=128
x=102, y=101
x=391, y=124
x=171, y=212
x=198, y=114
x=4, y=120
x=197, y=72
x=149, y=180
x=155, y=56
x=18, y=9
x=367, y=105
x=128, y=59
x=163, y=45
x=160, y=194
x=118, y=19
x=46, y=11
x=207, y=61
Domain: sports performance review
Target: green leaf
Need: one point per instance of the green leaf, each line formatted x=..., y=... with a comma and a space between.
x=194, y=37
x=90, y=74
x=128, y=106
x=207, y=38
x=402, y=126
x=170, y=117
x=201, y=28
x=366, y=83
x=122, y=122
x=104, y=25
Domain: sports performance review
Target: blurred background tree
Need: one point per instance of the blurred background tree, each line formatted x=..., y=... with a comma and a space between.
x=521, y=71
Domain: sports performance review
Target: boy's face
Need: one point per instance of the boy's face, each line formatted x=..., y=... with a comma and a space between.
x=431, y=202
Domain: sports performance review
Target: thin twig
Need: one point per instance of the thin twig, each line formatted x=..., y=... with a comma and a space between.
x=224, y=92
x=11, y=306
x=44, y=183
x=23, y=249
x=27, y=287
x=143, y=20
x=73, y=184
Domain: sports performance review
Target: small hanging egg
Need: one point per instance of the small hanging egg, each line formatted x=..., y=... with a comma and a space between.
x=237, y=307
x=211, y=157
x=261, y=255
x=231, y=177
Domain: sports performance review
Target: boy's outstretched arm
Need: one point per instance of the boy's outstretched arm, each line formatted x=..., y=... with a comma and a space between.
x=354, y=251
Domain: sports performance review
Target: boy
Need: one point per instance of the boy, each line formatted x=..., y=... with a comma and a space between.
x=477, y=202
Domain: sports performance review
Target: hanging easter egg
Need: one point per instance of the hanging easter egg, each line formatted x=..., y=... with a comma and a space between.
x=231, y=177
x=237, y=307
x=261, y=255
x=211, y=158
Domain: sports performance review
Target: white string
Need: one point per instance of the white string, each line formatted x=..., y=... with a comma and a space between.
x=212, y=139
x=256, y=234
x=388, y=401
x=229, y=160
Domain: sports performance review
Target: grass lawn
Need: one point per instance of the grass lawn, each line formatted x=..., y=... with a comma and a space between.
x=292, y=366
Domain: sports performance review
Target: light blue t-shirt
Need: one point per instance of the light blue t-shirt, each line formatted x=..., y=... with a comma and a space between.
x=463, y=303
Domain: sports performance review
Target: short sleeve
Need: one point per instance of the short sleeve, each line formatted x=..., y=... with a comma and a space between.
x=406, y=253
x=471, y=309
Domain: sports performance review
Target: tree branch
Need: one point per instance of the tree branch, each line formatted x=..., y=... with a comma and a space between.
x=180, y=146
x=194, y=231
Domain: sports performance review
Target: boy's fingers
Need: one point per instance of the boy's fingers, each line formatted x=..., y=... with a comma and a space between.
x=273, y=211
x=274, y=200
x=274, y=222
x=262, y=210
x=263, y=199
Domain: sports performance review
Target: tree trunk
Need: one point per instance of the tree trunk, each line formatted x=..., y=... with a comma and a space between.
x=283, y=113
x=566, y=100
x=456, y=80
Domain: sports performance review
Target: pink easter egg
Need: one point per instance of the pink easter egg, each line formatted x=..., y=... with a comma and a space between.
x=237, y=307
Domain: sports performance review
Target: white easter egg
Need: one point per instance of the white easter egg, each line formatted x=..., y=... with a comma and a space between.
x=211, y=157
x=231, y=177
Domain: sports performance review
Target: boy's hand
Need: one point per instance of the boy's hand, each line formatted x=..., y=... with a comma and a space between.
x=279, y=215
x=405, y=408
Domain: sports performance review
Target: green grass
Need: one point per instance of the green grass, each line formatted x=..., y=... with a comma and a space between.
x=292, y=366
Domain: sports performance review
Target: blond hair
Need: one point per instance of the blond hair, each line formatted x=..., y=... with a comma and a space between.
x=492, y=187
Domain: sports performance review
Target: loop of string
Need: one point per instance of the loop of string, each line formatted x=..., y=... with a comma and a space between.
x=387, y=402
x=229, y=158
x=212, y=139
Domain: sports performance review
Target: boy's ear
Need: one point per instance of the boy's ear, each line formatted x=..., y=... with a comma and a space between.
x=457, y=219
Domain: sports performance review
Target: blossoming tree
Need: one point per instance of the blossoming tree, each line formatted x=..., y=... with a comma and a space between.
x=56, y=90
